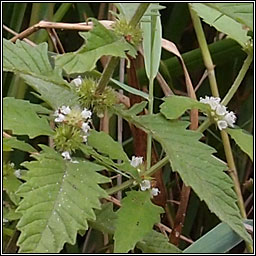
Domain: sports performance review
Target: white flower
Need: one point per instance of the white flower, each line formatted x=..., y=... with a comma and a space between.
x=155, y=191
x=221, y=110
x=66, y=155
x=5, y=220
x=86, y=127
x=86, y=113
x=17, y=173
x=74, y=162
x=77, y=81
x=84, y=138
x=212, y=101
x=65, y=110
x=136, y=161
x=222, y=124
x=60, y=118
x=145, y=184
x=230, y=118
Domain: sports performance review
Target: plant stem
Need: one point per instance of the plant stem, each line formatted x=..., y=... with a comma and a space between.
x=238, y=80
x=214, y=88
x=205, y=52
x=138, y=14
x=107, y=74
x=150, y=107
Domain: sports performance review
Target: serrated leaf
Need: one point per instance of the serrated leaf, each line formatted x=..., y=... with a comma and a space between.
x=175, y=106
x=58, y=200
x=222, y=23
x=243, y=139
x=99, y=42
x=240, y=12
x=136, y=218
x=21, y=117
x=106, y=145
x=53, y=93
x=156, y=242
x=24, y=58
x=224, y=240
x=196, y=165
x=11, y=183
x=17, y=144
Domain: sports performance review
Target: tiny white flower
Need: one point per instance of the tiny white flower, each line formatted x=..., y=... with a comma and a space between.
x=5, y=220
x=74, y=161
x=222, y=124
x=212, y=101
x=84, y=138
x=60, y=118
x=86, y=113
x=145, y=184
x=65, y=110
x=136, y=161
x=155, y=191
x=230, y=118
x=66, y=155
x=86, y=127
x=221, y=110
x=77, y=81
x=17, y=173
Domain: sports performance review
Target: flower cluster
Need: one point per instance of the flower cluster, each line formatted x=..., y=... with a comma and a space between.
x=219, y=113
x=145, y=184
x=73, y=129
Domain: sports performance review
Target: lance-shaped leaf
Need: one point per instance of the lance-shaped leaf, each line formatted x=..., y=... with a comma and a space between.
x=136, y=218
x=58, y=199
x=243, y=139
x=10, y=143
x=175, y=106
x=99, y=42
x=21, y=117
x=196, y=165
x=221, y=22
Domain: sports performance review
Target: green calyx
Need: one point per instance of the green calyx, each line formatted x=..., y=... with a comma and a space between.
x=90, y=99
x=131, y=34
x=68, y=138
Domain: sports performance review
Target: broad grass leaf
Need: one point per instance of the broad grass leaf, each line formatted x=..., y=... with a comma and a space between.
x=240, y=12
x=58, y=200
x=224, y=240
x=243, y=139
x=99, y=42
x=196, y=165
x=221, y=22
x=21, y=117
x=136, y=218
x=175, y=106
x=13, y=142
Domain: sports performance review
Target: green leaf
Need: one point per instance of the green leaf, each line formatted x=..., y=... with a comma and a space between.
x=17, y=144
x=240, y=12
x=99, y=41
x=136, y=218
x=243, y=139
x=24, y=58
x=156, y=242
x=196, y=165
x=152, y=44
x=53, y=93
x=21, y=117
x=106, y=145
x=58, y=199
x=175, y=106
x=224, y=240
x=11, y=183
x=221, y=22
